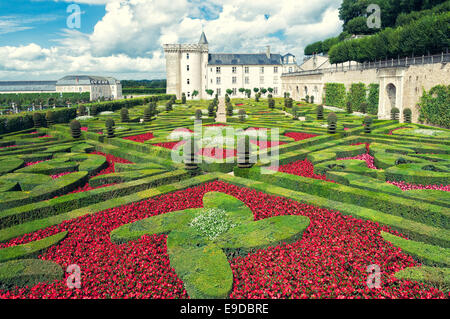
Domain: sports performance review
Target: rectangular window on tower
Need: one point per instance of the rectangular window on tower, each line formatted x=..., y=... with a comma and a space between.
x=246, y=69
x=187, y=67
x=234, y=80
x=218, y=80
x=218, y=69
x=275, y=69
x=233, y=69
x=234, y=91
x=275, y=90
x=187, y=56
x=188, y=81
x=261, y=69
x=247, y=80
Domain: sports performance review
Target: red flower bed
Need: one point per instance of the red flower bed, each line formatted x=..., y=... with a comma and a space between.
x=56, y=176
x=8, y=146
x=266, y=144
x=44, y=136
x=299, y=136
x=140, y=138
x=33, y=163
x=391, y=132
x=218, y=153
x=329, y=261
x=257, y=128
x=363, y=157
x=302, y=168
x=84, y=128
x=406, y=186
x=240, y=104
x=169, y=145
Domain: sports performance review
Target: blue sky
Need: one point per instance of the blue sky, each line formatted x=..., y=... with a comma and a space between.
x=124, y=38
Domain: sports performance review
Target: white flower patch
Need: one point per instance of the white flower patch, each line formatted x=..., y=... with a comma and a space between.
x=212, y=223
x=217, y=141
x=84, y=118
x=180, y=134
x=426, y=132
x=106, y=113
x=332, y=108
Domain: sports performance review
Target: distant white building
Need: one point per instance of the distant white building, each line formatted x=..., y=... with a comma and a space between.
x=97, y=86
x=190, y=67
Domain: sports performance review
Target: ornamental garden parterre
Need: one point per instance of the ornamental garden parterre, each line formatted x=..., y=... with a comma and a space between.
x=328, y=197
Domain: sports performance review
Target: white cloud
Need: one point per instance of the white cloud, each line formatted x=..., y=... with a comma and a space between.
x=127, y=41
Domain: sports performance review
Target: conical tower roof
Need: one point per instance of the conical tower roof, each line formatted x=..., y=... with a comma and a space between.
x=203, y=39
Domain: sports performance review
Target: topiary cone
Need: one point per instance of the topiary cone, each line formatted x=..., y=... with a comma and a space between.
x=110, y=128
x=243, y=155
x=190, y=151
x=75, y=129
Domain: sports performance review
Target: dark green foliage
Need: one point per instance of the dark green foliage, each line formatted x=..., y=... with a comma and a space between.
x=332, y=123
x=198, y=114
x=257, y=96
x=349, y=108
x=28, y=272
x=307, y=98
x=311, y=99
x=335, y=94
x=368, y=124
x=169, y=106
x=271, y=103
x=295, y=113
x=435, y=106
x=241, y=115
x=314, y=48
x=229, y=109
x=426, y=35
x=319, y=112
x=183, y=98
x=82, y=110
x=394, y=114
x=248, y=92
x=288, y=102
x=211, y=110
x=148, y=114
x=407, y=115
x=357, y=96
x=38, y=120
x=363, y=108
x=373, y=98
x=50, y=117
x=124, y=116
x=243, y=155
x=75, y=129
x=109, y=123
x=190, y=150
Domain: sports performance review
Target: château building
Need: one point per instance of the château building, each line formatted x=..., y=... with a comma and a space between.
x=192, y=68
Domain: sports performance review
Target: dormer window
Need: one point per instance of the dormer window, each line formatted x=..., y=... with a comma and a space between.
x=187, y=56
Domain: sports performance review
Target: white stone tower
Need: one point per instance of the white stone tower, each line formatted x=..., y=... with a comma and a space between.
x=186, y=68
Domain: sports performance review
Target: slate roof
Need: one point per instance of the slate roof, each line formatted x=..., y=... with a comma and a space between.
x=244, y=59
x=83, y=80
x=203, y=39
x=13, y=86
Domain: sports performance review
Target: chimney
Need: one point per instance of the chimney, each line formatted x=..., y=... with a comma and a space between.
x=268, y=51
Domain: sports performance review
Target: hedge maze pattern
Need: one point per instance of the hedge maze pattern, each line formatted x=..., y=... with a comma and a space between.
x=397, y=176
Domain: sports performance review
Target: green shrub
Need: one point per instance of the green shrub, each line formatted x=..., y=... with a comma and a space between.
x=435, y=106
x=332, y=123
x=229, y=109
x=147, y=114
x=124, y=115
x=211, y=110
x=368, y=124
x=183, y=98
x=335, y=94
x=28, y=272
x=349, y=108
x=75, y=129
x=50, y=117
x=82, y=110
x=357, y=96
x=198, y=114
x=394, y=114
x=407, y=115
x=319, y=112
x=241, y=114
x=109, y=123
x=243, y=155
x=38, y=120
x=373, y=98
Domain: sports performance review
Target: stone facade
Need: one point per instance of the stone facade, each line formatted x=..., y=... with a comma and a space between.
x=400, y=86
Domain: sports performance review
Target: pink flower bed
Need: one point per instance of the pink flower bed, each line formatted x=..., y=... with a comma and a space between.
x=216, y=124
x=56, y=176
x=84, y=128
x=329, y=261
x=169, y=145
x=299, y=136
x=44, y=136
x=33, y=163
x=140, y=138
x=407, y=187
